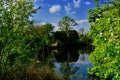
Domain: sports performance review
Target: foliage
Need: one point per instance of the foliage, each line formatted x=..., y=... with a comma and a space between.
x=85, y=44
x=45, y=33
x=20, y=42
x=66, y=23
x=65, y=40
x=14, y=22
x=31, y=72
x=105, y=32
x=68, y=71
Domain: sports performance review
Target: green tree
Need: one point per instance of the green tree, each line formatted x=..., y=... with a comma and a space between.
x=19, y=43
x=45, y=33
x=66, y=23
x=14, y=24
x=105, y=32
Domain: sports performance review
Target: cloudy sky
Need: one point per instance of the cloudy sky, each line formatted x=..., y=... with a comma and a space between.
x=53, y=10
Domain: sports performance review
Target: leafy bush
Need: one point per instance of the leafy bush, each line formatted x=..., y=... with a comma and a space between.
x=105, y=33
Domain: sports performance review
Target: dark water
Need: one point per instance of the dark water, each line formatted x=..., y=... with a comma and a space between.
x=72, y=64
x=82, y=64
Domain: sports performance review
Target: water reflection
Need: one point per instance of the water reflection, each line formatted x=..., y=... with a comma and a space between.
x=67, y=55
x=83, y=63
x=71, y=55
x=71, y=64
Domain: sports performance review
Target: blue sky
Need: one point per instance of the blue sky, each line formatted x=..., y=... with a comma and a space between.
x=53, y=10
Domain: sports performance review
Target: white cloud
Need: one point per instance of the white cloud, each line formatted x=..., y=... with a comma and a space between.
x=82, y=21
x=87, y=3
x=67, y=8
x=55, y=8
x=77, y=3
x=83, y=24
x=85, y=61
x=39, y=23
x=56, y=27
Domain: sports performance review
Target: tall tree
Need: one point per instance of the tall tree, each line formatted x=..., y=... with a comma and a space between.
x=66, y=23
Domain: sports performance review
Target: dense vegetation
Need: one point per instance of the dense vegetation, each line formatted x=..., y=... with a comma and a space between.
x=105, y=31
x=20, y=43
x=25, y=50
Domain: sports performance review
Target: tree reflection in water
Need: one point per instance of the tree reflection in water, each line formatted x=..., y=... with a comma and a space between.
x=66, y=57
x=69, y=59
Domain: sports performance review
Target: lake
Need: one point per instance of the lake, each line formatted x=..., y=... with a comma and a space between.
x=72, y=64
